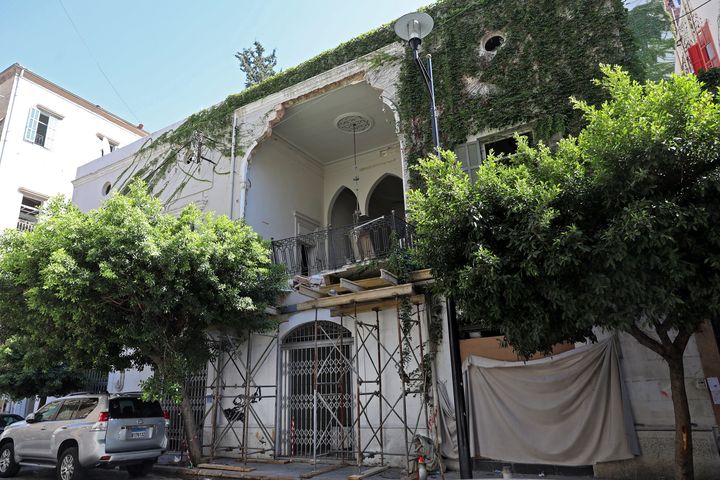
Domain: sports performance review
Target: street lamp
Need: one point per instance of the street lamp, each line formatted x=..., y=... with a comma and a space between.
x=412, y=28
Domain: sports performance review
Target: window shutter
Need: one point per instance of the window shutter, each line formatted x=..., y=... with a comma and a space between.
x=50, y=138
x=462, y=156
x=31, y=126
x=696, y=57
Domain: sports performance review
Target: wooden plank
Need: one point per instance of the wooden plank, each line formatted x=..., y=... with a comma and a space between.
x=309, y=292
x=368, y=473
x=220, y=466
x=388, y=276
x=364, y=296
x=326, y=469
x=420, y=275
x=302, y=280
x=366, y=283
x=350, y=285
x=370, y=306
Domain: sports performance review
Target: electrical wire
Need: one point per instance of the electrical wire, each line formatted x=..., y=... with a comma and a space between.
x=691, y=11
x=97, y=63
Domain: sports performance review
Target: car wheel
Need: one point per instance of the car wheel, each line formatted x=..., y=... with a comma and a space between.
x=140, y=469
x=8, y=466
x=68, y=466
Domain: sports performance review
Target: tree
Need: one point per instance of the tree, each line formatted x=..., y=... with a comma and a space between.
x=128, y=285
x=618, y=229
x=650, y=26
x=255, y=64
x=17, y=381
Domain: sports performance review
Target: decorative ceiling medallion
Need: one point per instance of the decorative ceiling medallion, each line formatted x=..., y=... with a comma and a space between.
x=353, y=122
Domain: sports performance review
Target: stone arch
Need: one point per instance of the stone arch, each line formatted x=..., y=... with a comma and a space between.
x=386, y=195
x=342, y=207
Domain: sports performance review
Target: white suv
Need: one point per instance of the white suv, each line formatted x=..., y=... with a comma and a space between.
x=84, y=431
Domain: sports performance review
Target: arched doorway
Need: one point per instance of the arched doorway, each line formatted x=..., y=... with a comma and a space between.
x=343, y=208
x=387, y=196
x=316, y=391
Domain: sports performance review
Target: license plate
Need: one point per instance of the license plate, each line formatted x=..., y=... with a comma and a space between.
x=138, y=432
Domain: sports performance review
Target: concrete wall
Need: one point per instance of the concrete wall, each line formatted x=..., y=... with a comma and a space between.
x=647, y=380
x=48, y=171
x=283, y=182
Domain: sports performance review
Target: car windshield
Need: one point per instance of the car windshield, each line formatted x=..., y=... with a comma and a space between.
x=134, y=407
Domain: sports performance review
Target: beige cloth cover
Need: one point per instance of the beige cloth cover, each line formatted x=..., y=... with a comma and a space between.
x=569, y=409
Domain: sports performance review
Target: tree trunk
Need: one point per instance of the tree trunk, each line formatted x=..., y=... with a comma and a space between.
x=683, y=427
x=191, y=429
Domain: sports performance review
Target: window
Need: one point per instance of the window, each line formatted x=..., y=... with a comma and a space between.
x=87, y=405
x=133, y=407
x=472, y=154
x=47, y=412
x=107, y=145
x=67, y=410
x=40, y=128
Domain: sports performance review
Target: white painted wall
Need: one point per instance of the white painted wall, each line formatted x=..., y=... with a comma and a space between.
x=48, y=171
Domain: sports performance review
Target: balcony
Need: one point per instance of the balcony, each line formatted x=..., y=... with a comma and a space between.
x=24, y=225
x=334, y=248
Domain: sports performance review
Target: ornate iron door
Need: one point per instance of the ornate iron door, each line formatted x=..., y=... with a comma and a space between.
x=317, y=391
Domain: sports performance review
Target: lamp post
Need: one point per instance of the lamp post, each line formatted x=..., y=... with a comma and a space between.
x=412, y=28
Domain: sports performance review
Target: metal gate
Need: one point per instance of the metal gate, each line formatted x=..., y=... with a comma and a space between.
x=316, y=385
x=196, y=385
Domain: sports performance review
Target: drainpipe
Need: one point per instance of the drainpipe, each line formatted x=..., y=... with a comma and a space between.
x=8, y=117
x=244, y=182
x=232, y=175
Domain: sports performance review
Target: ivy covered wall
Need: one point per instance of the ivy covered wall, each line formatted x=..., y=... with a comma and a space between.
x=551, y=50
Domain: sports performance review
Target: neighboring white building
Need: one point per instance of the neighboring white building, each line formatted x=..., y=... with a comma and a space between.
x=46, y=132
x=696, y=24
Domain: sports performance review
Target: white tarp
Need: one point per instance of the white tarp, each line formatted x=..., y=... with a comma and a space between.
x=569, y=409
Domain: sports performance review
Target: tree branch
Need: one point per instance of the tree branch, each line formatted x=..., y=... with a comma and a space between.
x=645, y=340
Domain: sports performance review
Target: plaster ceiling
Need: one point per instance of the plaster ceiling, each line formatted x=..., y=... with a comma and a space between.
x=311, y=126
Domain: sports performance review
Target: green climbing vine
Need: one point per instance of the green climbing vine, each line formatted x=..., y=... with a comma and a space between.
x=551, y=50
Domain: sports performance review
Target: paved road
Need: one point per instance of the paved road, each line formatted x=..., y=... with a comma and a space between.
x=28, y=473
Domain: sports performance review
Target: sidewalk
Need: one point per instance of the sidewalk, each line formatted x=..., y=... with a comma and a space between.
x=292, y=470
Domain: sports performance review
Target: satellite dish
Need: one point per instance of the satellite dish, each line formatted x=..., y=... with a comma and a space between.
x=414, y=25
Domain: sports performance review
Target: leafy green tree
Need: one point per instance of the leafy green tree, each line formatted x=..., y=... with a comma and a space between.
x=17, y=381
x=650, y=26
x=129, y=285
x=255, y=64
x=618, y=229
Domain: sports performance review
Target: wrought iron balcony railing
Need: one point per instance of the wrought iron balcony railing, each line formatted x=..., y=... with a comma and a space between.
x=334, y=248
x=24, y=225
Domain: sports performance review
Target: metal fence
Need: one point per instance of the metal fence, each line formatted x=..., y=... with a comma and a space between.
x=334, y=248
x=196, y=386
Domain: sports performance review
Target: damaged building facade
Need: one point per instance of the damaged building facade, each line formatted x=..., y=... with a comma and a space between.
x=318, y=160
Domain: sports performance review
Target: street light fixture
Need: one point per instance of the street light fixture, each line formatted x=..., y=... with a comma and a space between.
x=412, y=28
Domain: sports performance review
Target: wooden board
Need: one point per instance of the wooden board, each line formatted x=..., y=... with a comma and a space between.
x=370, y=306
x=220, y=466
x=489, y=347
x=364, y=296
x=326, y=469
x=366, y=283
x=368, y=473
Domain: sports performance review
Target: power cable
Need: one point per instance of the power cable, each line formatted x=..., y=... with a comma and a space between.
x=97, y=63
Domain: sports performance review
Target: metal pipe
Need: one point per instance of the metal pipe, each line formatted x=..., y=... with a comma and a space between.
x=380, y=390
x=458, y=392
x=232, y=171
x=357, y=391
x=248, y=356
x=422, y=369
x=8, y=117
x=315, y=392
x=401, y=337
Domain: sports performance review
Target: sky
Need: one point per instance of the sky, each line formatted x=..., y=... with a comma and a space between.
x=166, y=59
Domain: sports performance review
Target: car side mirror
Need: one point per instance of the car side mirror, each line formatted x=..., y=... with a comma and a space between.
x=30, y=418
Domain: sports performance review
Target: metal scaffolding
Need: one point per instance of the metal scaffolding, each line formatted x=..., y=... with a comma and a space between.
x=330, y=397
